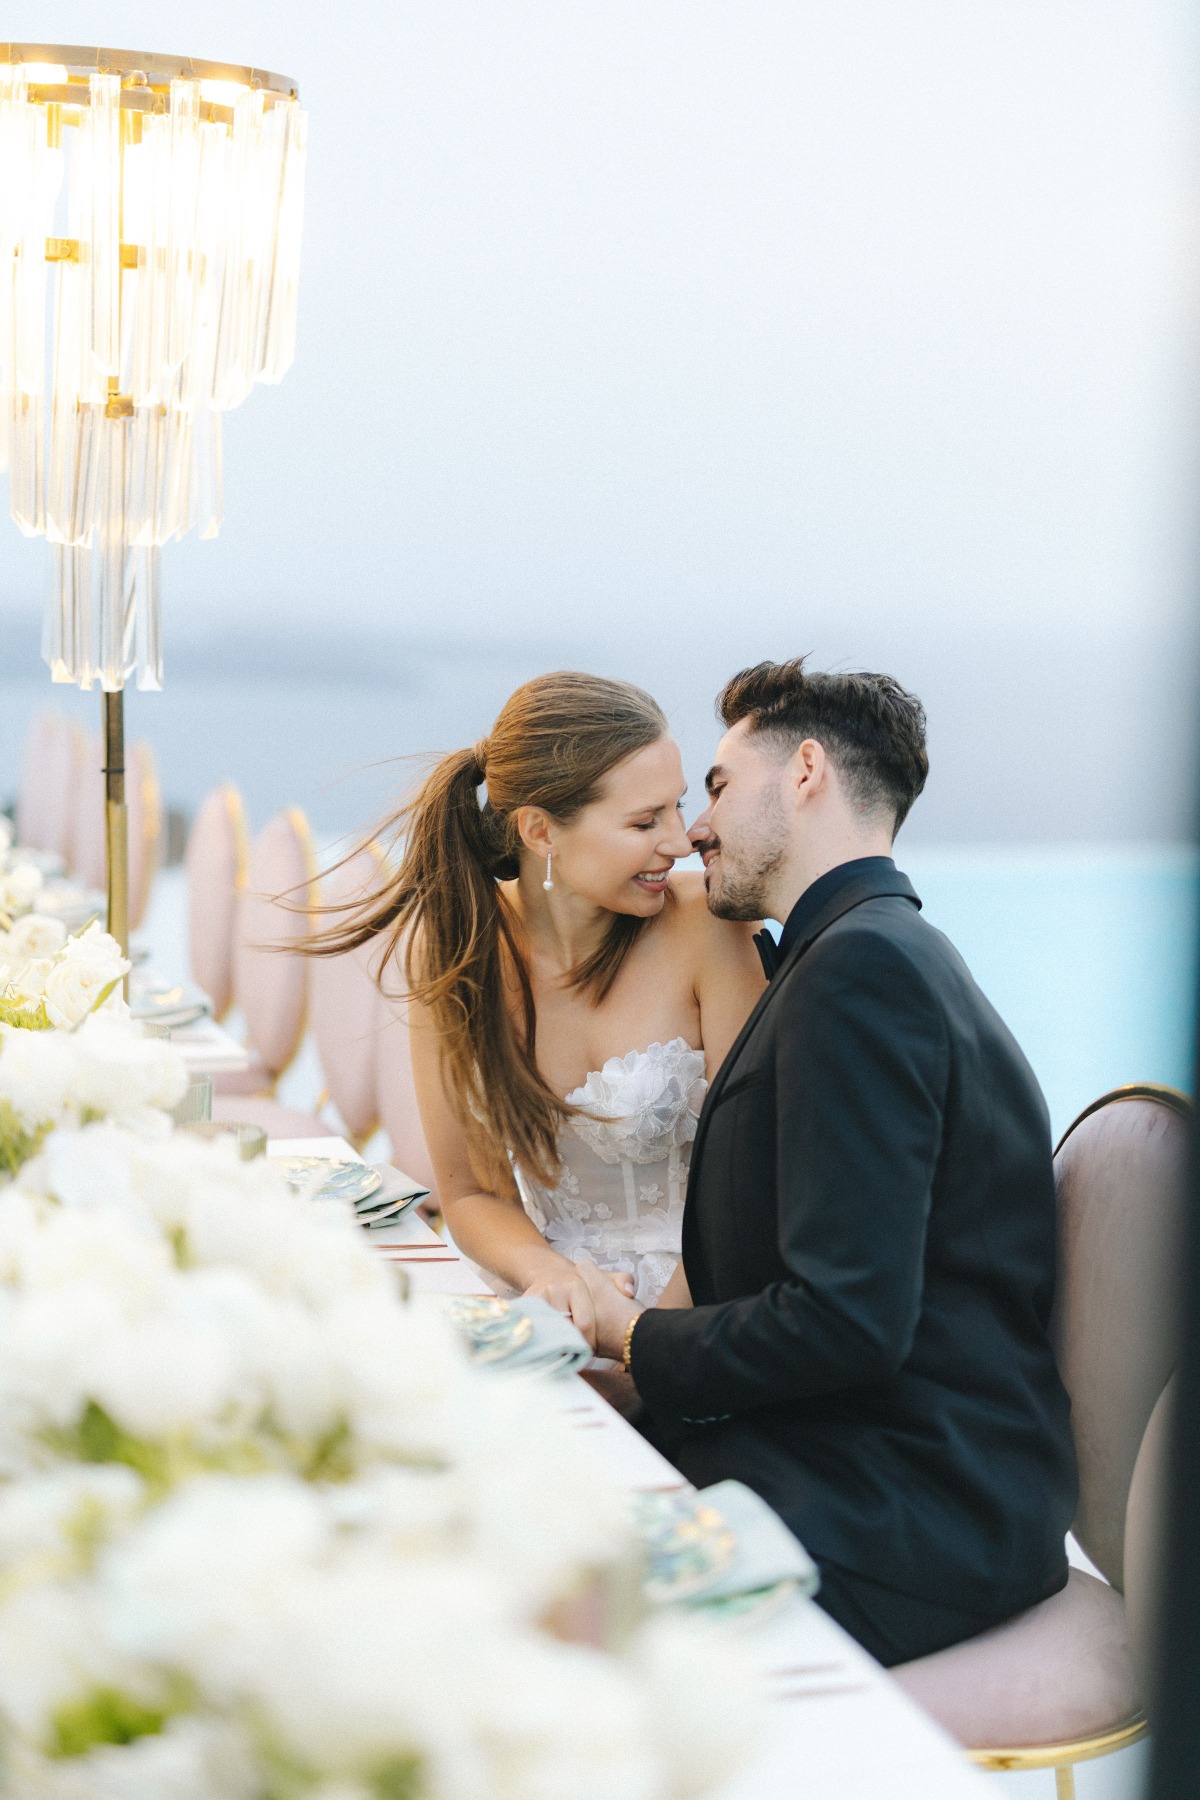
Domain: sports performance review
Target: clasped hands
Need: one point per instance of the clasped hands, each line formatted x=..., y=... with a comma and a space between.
x=600, y=1302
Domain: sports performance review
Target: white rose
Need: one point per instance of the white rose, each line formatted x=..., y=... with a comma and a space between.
x=25, y=983
x=118, y=1072
x=35, y=935
x=35, y=1073
x=89, y=963
x=6, y=833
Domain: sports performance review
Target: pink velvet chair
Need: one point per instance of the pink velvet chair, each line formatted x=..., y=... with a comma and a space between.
x=271, y=986
x=344, y=1003
x=1067, y=1680
x=218, y=865
x=397, y=1097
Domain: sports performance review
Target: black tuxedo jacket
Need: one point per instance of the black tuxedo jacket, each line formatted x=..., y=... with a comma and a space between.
x=869, y=1239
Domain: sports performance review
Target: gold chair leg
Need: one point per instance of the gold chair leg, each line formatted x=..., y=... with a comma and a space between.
x=1064, y=1782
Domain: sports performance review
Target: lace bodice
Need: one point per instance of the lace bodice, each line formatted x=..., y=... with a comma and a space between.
x=619, y=1196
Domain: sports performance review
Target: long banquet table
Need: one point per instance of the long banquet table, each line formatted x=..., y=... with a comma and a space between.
x=842, y=1729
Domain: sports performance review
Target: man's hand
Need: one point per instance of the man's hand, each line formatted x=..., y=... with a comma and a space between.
x=611, y=1310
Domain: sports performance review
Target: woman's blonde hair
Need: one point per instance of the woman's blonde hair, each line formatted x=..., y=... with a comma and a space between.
x=445, y=917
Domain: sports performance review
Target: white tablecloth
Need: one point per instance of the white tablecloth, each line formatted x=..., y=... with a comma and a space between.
x=208, y=1049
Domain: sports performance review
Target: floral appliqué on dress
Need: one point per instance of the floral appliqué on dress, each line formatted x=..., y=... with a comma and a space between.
x=619, y=1197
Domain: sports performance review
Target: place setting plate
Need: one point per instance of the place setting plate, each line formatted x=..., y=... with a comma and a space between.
x=722, y=1554
x=323, y=1178
x=171, y=1003
x=524, y=1334
x=687, y=1544
x=492, y=1328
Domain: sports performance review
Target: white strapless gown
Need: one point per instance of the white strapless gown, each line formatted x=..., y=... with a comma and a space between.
x=619, y=1197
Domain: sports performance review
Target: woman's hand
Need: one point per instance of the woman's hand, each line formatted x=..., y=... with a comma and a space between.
x=565, y=1290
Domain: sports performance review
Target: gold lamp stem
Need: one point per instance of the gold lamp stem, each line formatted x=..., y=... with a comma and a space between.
x=116, y=829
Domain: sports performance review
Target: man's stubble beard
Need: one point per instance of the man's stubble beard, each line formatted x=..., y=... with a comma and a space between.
x=743, y=884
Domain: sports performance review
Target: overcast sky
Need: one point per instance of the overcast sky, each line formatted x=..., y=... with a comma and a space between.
x=777, y=325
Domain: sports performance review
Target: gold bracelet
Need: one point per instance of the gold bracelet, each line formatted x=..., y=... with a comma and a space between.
x=627, y=1345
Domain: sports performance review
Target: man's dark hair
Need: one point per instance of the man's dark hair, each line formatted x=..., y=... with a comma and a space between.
x=871, y=728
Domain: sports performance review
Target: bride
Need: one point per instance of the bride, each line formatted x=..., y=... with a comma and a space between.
x=570, y=996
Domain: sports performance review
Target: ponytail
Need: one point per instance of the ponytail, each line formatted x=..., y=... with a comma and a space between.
x=447, y=921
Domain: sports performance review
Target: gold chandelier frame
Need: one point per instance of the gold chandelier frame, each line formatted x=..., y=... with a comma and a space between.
x=146, y=76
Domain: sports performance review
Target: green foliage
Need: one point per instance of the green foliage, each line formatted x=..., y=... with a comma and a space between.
x=399, y=1778
x=96, y=1437
x=180, y=1249
x=25, y=1018
x=85, y=1529
x=105, y=1716
x=103, y=995
x=99, y=1439
x=331, y=1457
x=285, y=1776
x=17, y=1143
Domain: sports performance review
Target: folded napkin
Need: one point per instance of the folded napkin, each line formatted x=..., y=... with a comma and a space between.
x=525, y=1334
x=717, y=1545
x=394, y=1196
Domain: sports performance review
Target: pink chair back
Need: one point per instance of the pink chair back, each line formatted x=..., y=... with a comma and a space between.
x=1119, y=1172
x=397, y=1096
x=33, y=795
x=66, y=762
x=270, y=986
x=51, y=774
x=218, y=861
x=87, y=854
x=86, y=847
x=143, y=801
x=344, y=1003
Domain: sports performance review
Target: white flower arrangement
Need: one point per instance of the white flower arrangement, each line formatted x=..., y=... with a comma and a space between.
x=264, y=1531
x=262, y=1637
x=104, y=1069
x=51, y=981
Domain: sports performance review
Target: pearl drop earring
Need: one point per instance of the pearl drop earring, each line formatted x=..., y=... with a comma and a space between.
x=549, y=881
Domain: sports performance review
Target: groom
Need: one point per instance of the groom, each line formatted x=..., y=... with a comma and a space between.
x=869, y=1234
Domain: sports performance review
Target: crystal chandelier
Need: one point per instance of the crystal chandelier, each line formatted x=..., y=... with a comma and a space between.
x=150, y=221
x=150, y=214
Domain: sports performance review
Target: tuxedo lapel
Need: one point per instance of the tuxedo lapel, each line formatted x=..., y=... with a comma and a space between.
x=871, y=886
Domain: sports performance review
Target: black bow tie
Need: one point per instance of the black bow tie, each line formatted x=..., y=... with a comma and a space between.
x=768, y=953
